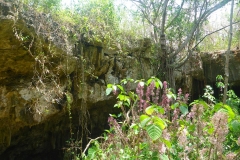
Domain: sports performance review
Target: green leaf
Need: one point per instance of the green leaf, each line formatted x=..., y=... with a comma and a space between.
x=231, y=114
x=108, y=91
x=118, y=104
x=91, y=152
x=235, y=125
x=120, y=87
x=160, y=109
x=124, y=81
x=218, y=106
x=154, y=131
x=144, y=119
x=149, y=110
x=135, y=128
x=164, y=157
x=170, y=95
x=158, y=121
x=133, y=125
x=121, y=97
x=210, y=130
x=192, y=128
x=113, y=115
x=175, y=105
x=109, y=85
x=155, y=155
x=150, y=81
x=127, y=99
x=167, y=143
x=132, y=95
x=184, y=110
x=159, y=82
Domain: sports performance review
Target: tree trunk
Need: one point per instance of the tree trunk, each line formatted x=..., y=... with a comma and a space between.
x=227, y=56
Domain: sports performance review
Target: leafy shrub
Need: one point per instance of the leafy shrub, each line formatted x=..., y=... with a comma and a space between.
x=157, y=124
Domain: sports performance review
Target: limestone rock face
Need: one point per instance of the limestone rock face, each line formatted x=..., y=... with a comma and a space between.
x=213, y=64
x=49, y=91
x=202, y=69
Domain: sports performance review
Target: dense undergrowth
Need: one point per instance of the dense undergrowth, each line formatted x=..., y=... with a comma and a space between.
x=157, y=124
x=97, y=22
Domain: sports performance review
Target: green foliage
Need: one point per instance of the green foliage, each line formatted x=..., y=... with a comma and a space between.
x=219, y=81
x=209, y=94
x=150, y=134
x=44, y=5
x=154, y=131
x=233, y=100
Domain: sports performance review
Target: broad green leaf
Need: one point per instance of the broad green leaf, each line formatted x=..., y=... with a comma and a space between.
x=127, y=99
x=121, y=97
x=154, y=131
x=158, y=121
x=175, y=105
x=167, y=143
x=160, y=109
x=144, y=119
x=91, y=152
x=160, y=83
x=200, y=102
x=231, y=114
x=156, y=84
x=184, y=110
x=124, y=98
x=217, y=106
x=109, y=85
x=149, y=81
x=149, y=110
x=108, y=91
x=235, y=124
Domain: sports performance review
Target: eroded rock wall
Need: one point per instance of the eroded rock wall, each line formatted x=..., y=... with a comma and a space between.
x=49, y=91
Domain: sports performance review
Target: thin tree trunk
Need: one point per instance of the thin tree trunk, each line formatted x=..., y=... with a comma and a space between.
x=164, y=64
x=227, y=56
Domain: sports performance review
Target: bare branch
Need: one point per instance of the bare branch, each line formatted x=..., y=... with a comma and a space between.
x=201, y=18
x=212, y=33
x=178, y=65
x=90, y=143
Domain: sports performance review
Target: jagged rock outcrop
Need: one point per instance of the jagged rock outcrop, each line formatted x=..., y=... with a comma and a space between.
x=213, y=65
x=202, y=69
x=51, y=87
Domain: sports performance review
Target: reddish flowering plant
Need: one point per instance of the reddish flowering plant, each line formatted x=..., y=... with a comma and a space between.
x=158, y=124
